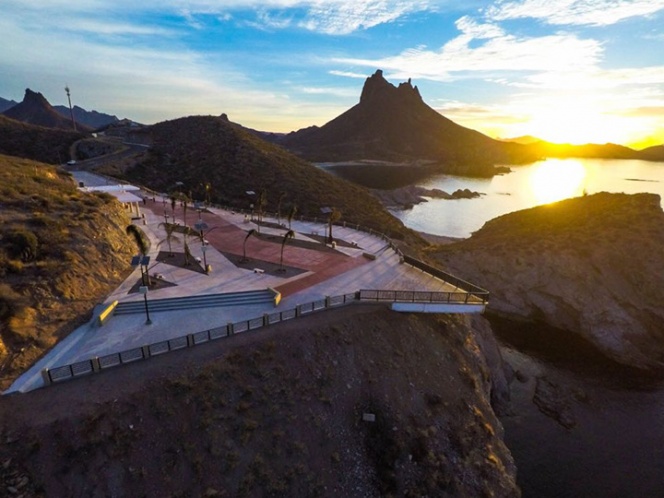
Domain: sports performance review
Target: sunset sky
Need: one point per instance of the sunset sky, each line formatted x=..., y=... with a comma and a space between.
x=563, y=70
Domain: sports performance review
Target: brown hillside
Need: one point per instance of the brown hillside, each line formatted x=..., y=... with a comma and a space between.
x=46, y=145
x=277, y=412
x=61, y=252
x=592, y=265
x=211, y=150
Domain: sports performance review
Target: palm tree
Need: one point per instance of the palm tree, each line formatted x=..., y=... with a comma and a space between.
x=142, y=244
x=291, y=214
x=244, y=245
x=261, y=202
x=187, y=251
x=170, y=229
x=335, y=215
x=282, y=195
x=290, y=234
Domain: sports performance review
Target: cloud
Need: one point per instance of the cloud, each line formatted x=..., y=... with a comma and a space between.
x=574, y=12
x=348, y=74
x=344, y=17
x=486, y=48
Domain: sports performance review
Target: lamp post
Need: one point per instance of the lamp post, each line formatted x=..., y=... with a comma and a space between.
x=143, y=289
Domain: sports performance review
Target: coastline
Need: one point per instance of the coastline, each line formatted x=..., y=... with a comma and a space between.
x=439, y=239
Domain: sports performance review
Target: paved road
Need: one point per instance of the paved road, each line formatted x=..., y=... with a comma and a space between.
x=321, y=271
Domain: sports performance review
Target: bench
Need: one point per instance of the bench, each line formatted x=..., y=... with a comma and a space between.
x=370, y=256
x=107, y=313
x=259, y=270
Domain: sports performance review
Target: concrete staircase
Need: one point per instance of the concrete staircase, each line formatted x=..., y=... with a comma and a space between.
x=246, y=298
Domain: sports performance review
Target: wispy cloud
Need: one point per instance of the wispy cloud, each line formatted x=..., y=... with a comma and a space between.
x=486, y=48
x=574, y=12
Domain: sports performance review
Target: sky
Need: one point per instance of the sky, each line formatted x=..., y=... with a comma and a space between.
x=572, y=71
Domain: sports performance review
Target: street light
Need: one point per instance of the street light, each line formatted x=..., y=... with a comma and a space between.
x=143, y=289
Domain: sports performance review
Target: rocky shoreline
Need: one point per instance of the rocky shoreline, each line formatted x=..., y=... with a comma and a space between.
x=407, y=197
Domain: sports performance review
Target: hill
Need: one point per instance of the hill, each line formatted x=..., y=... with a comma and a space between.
x=200, y=151
x=36, y=110
x=6, y=104
x=276, y=412
x=91, y=119
x=61, y=252
x=48, y=145
x=591, y=265
x=655, y=153
x=394, y=124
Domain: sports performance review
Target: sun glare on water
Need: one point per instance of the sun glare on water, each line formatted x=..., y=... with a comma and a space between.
x=553, y=181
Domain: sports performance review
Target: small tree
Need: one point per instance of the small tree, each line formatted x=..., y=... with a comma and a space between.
x=335, y=216
x=261, y=202
x=142, y=244
x=170, y=230
x=282, y=195
x=244, y=245
x=288, y=235
x=291, y=214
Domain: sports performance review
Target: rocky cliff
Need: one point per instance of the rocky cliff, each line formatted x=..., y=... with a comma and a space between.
x=592, y=265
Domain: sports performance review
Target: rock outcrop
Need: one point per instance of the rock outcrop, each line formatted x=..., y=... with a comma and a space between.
x=591, y=265
x=407, y=197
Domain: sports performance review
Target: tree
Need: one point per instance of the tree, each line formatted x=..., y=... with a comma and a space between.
x=291, y=214
x=187, y=251
x=170, y=230
x=261, y=202
x=244, y=245
x=143, y=246
x=290, y=234
x=335, y=216
x=282, y=195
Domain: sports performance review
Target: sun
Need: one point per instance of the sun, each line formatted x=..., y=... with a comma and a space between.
x=555, y=180
x=584, y=125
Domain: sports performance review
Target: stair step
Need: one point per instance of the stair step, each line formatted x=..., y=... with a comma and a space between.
x=193, y=302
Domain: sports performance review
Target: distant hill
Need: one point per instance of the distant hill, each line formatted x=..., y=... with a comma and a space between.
x=48, y=145
x=36, y=110
x=199, y=150
x=394, y=124
x=655, y=153
x=92, y=119
x=524, y=140
x=6, y=104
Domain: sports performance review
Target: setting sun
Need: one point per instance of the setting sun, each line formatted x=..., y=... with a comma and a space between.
x=555, y=180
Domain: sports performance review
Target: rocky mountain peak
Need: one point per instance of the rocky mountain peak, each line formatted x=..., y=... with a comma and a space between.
x=376, y=86
x=35, y=98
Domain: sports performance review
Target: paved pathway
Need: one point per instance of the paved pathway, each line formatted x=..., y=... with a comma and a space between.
x=324, y=272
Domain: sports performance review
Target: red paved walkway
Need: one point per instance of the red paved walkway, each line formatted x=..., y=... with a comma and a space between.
x=227, y=237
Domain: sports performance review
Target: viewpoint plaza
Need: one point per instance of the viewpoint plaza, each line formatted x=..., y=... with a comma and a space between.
x=184, y=300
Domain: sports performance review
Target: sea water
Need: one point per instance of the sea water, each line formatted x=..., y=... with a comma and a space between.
x=527, y=186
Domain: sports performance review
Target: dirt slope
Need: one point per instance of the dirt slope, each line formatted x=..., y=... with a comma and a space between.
x=276, y=412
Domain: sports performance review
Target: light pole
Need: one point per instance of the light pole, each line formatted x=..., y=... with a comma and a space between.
x=143, y=289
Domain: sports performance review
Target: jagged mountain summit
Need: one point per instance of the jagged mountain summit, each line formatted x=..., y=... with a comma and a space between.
x=36, y=110
x=393, y=123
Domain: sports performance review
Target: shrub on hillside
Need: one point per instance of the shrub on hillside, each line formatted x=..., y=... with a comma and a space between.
x=21, y=243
